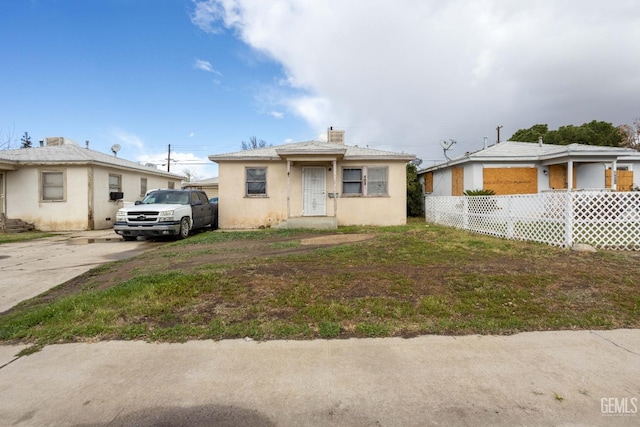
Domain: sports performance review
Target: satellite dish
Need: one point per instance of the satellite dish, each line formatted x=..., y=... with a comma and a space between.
x=115, y=148
x=446, y=146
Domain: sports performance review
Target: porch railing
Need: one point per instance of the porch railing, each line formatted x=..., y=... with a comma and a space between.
x=606, y=220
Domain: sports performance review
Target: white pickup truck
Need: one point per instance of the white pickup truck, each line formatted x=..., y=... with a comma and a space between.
x=166, y=213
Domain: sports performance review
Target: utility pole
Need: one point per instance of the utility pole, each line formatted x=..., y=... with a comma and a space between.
x=169, y=159
x=498, y=130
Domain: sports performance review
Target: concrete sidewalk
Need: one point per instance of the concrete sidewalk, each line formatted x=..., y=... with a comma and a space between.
x=539, y=378
x=29, y=268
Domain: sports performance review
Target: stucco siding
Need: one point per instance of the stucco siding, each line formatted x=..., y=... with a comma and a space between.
x=104, y=209
x=24, y=199
x=237, y=210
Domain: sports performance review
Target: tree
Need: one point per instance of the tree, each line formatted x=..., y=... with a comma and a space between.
x=631, y=134
x=6, y=138
x=26, y=140
x=254, y=143
x=530, y=135
x=189, y=176
x=414, y=192
x=592, y=133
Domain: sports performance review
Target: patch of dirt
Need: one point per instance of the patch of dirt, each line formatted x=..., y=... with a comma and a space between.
x=264, y=284
x=336, y=239
x=187, y=257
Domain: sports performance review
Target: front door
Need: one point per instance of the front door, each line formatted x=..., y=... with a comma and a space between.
x=313, y=191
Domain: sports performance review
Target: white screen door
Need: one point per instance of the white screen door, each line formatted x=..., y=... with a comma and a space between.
x=313, y=191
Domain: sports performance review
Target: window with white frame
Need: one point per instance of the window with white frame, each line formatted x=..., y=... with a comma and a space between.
x=256, y=182
x=115, y=183
x=365, y=181
x=52, y=186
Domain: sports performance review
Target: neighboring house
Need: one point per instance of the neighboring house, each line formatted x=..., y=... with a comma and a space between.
x=528, y=168
x=312, y=185
x=209, y=186
x=63, y=187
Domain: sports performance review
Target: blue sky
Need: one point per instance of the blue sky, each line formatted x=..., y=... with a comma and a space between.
x=137, y=73
x=205, y=75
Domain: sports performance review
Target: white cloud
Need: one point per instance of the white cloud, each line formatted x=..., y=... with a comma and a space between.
x=276, y=114
x=405, y=75
x=203, y=65
x=128, y=139
x=181, y=163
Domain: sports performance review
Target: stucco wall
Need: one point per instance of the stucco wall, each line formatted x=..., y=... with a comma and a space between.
x=104, y=210
x=238, y=211
x=86, y=204
x=23, y=199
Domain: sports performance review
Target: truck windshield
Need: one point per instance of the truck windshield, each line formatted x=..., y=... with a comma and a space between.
x=167, y=198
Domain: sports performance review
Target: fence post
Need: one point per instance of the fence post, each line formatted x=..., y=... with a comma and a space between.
x=568, y=206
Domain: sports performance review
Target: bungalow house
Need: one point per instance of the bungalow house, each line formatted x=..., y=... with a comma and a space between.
x=312, y=184
x=209, y=186
x=528, y=168
x=63, y=187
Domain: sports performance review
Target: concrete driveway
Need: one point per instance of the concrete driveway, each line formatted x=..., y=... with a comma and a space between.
x=29, y=268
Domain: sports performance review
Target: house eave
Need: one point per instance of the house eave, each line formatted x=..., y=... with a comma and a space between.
x=55, y=163
x=327, y=154
x=224, y=158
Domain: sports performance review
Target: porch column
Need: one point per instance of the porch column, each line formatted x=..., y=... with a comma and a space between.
x=614, y=175
x=570, y=175
x=288, y=188
x=335, y=189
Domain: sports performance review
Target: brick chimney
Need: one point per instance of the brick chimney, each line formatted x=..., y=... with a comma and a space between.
x=335, y=136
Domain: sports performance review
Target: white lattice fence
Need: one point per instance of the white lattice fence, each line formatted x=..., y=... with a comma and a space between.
x=605, y=220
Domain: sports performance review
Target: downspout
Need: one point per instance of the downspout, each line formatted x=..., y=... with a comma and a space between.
x=90, y=217
x=288, y=189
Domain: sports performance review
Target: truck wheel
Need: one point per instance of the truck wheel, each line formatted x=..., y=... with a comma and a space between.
x=129, y=238
x=214, y=224
x=184, y=228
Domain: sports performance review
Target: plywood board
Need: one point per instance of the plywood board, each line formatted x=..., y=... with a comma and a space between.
x=457, y=181
x=624, y=179
x=510, y=180
x=428, y=182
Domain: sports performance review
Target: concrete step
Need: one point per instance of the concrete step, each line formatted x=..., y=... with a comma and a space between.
x=16, y=226
x=311, y=222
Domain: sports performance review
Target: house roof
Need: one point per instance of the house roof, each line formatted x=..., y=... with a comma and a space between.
x=71, y=154
x=532, y=151
x=312, y=149
x=202, y=182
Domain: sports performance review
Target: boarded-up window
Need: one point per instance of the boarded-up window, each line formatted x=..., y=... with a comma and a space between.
x=510, y=180
x=624, y=179
x=428, y=182
x=558, y=177
x=457, y=181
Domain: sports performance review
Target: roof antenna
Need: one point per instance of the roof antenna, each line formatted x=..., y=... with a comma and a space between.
x=446, y=146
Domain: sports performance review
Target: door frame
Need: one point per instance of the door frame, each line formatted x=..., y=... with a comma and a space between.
x=324, y=190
